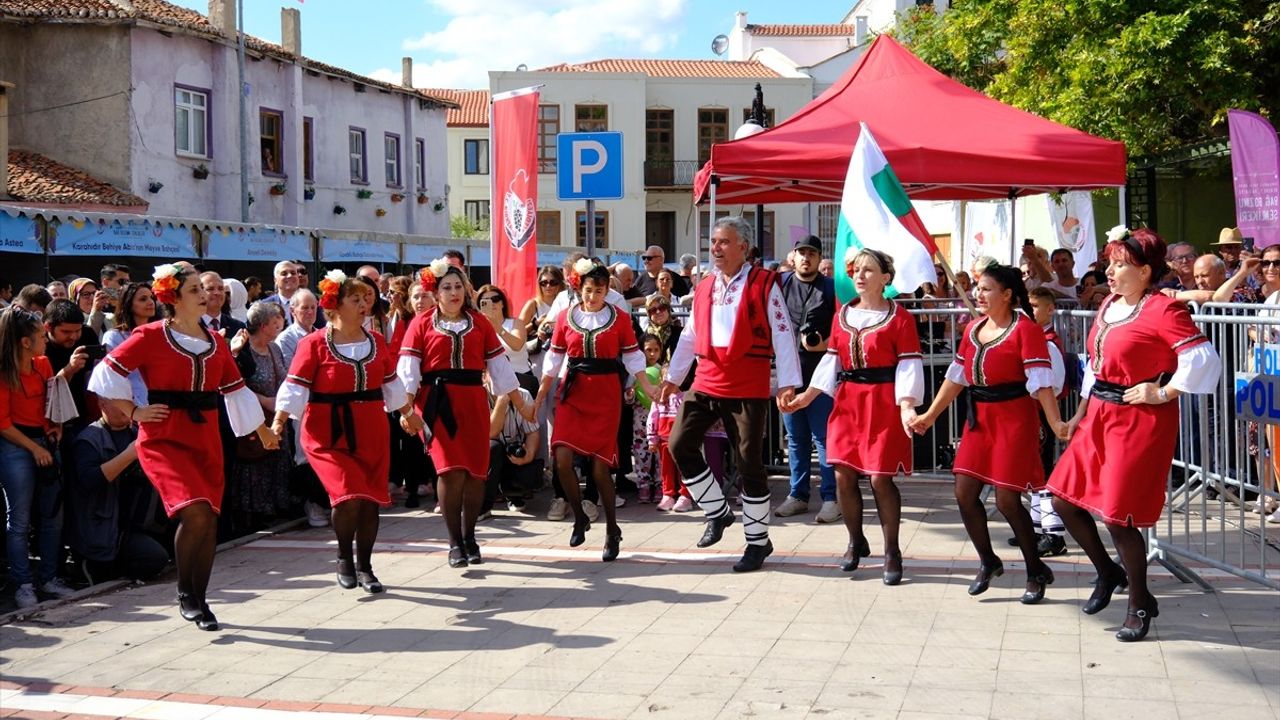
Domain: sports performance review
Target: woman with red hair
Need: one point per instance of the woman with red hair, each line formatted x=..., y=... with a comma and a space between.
x=1144, y=351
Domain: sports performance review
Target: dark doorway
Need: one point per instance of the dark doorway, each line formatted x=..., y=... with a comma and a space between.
x=660, y=230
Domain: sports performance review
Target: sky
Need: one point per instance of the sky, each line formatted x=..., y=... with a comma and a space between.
x=454, y=43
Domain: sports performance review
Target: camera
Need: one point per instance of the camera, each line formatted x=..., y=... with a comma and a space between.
x=515, y=449
x=810, y=334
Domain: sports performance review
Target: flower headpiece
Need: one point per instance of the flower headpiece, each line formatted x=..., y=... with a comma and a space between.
x=329, y=286
x=1122, y=234
x=431, y=274
x=1117, y=233
x=580, y=268
x=165, y=284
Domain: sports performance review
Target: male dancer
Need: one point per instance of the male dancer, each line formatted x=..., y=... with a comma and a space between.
x=738, y=324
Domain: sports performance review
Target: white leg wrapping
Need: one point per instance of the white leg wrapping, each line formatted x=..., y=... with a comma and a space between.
x=707, y=493
x=755, y=519
x=1050, y=521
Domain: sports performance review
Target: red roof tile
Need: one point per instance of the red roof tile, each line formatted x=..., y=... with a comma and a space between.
x=38, y=179
x=472, y=106
x=821, y=30
x=673, y=68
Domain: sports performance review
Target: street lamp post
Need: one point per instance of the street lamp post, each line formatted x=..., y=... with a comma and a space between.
x=756, y=123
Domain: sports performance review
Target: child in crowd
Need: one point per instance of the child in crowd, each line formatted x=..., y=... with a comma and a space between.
x=1047, y=523
x=645, y=462
x=662, y=416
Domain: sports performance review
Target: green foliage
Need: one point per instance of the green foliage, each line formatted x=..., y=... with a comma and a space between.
x=464, y=228
x=1155, y=74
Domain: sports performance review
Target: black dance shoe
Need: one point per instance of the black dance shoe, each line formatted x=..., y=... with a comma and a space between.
x=1145, y=615
x=893, y=577
x=188, y=608
x=1051, y=545
x=346, y=574
x=753, y=558
x=854, y=553
x=369, y=582
x=1044, y=579
x=473, y=551
x=579, y=535
x=612, y=545
x=985, y=573
x=457, y=557
x=412, y=501
x=210, y=623
x=1104, y=588
x=715, y=530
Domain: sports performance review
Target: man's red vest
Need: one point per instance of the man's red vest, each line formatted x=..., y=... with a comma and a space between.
x=740, y=370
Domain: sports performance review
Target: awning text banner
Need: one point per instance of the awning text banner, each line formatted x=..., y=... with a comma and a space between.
x=19, y=234
x=358, y=250
x=264, y=244
x=136, y=238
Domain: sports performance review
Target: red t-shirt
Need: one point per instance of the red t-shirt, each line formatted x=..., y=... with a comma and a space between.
x=24, y=405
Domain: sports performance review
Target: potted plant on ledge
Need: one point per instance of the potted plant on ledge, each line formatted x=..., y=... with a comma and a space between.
x=309, y=192
x=200, y=172
x=279, y=189
x=364, y=194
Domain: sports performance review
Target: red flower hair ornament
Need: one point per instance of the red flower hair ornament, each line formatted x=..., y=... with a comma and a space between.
x=329, y=286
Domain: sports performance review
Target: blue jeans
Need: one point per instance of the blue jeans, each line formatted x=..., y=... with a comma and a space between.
x=22, y=494
x=806, y=428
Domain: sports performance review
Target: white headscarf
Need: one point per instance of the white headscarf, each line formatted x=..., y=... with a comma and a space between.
x=237, y=299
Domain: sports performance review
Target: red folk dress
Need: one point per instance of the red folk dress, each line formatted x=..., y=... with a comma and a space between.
x=466, y=344
x=180, y=456
x=864, y=431
x=587, y=417
x=1003, y=449
x=1117, y=463
x=347, y=473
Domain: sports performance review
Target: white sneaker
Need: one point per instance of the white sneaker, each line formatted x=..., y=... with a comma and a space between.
x=57, y=588
x=683, y=504
x=558, y=510
x=591, y=510
x=25, y=596
x=792, y=506
x=619, y=501
x=317, y=516
x=1274, y=517
x=829, y=512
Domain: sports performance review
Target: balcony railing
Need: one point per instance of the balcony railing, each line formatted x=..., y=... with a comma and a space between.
x=670, y=173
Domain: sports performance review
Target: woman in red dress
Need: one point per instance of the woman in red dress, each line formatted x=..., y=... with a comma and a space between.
x=340, y=380
x=601, y=347
x=185, y=368
x=873, y=364
x=445, y=354
x=1003, y=360
x=1144, y=351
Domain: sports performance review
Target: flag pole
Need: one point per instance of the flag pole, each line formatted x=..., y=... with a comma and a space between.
x=951, y=278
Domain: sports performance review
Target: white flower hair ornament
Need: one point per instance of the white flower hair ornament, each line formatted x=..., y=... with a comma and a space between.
x=584, y=266
x=431, y=274
x=336, y=276
x=329, y=286
x=1117, y=233
x=439, y=267
x=164, y=283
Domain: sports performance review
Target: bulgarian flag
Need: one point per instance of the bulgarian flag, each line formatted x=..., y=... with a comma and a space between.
x=875, y=213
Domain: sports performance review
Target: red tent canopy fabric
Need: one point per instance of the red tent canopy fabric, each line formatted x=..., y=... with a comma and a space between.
x=945, y=141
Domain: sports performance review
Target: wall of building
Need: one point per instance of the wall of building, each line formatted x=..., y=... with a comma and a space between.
x=463, y=187
x=72, y=96
x=160, y=62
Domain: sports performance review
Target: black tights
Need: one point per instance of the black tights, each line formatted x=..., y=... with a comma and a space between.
x=888, y=509
x=194, y=546
x=1009, y=503
x=603, y=482
x=357, y=520
x=1128, y=541
x=460, y=500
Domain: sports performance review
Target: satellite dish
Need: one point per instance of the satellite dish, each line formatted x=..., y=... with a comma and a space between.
x=522, y=67
x=719, y=44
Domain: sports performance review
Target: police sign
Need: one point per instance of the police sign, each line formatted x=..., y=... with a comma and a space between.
x=590, y=166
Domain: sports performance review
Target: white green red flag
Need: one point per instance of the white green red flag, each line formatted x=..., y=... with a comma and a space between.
x=876, y=213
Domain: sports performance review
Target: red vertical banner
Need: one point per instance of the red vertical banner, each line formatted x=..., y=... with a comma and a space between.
x=513, y=128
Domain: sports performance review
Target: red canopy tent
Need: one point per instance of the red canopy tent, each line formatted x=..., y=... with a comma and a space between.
x=945, y=141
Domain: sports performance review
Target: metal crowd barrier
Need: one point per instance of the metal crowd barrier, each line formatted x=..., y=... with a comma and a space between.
x=1222, y=464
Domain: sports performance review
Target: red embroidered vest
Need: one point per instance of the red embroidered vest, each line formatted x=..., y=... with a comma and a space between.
x=740, y=370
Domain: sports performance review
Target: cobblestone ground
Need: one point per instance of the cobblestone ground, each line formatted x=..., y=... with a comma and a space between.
x=668, y=631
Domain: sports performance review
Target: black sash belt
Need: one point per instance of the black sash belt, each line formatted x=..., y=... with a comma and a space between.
x=591, y=366
x=1114, y=392
x=342, y=419
x=193, y=402
x=1003, y=392
x=32, y=432
x=437, y=405
x=868, y=376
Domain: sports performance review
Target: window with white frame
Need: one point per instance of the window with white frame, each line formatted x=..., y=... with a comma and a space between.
x=420, y=163
x=191, y=122
x=391, y=159
x=356, y=153
x=477, y=212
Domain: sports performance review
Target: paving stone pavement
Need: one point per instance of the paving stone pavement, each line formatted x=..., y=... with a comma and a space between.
x=543, y=631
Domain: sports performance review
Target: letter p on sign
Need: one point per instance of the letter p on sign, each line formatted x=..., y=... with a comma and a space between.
x=590, y=166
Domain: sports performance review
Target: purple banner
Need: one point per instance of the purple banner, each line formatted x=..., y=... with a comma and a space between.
x=1255, y=168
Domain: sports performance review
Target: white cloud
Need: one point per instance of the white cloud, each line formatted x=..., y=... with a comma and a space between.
x=484, y=35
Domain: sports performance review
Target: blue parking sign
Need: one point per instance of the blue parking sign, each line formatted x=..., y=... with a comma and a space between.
x=590, y=166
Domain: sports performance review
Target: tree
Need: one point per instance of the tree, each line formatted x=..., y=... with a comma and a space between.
x=464, y=228
x=1153, y=74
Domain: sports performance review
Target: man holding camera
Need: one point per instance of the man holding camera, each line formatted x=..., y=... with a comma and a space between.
x=514, y=466
x=811, y=302
x=72, y=349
